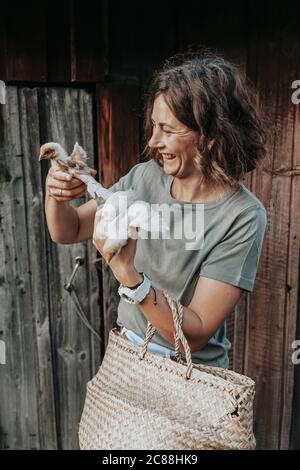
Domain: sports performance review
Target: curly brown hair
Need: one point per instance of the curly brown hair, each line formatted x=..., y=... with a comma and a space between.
x=211, y=95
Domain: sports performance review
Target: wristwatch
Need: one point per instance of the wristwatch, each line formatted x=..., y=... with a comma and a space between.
x=135, y=295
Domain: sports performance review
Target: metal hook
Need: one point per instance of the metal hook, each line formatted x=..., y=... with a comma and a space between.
x=79, y=261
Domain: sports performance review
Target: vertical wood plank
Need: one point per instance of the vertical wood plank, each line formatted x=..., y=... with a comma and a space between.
x=134, y=52
x=27, y=411
x=203, y=24
x=58, y=53
x=74, y=363
x=292, y=313
x=290, y=51
x=14, y=294
x=295, y=429
x=268, y=335
x=118, y=130
x=24, y=55
x=118, y=144
x=271, y=35
x=87, y=123
x=295, y=251
x=3, y=73
x=88, y=41
x=35, y=224
x=241, y=315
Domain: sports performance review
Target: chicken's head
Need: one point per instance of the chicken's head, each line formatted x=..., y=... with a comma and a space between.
x=52, y=150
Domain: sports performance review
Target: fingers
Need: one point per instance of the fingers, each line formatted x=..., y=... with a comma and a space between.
x=62, y=198
x=60, y=175
x=60, y=184
x=63, y=187
x=63, y=176
x=67, y=194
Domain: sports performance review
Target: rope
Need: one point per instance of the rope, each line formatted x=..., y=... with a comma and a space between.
x=79, y=310
x=177, y=313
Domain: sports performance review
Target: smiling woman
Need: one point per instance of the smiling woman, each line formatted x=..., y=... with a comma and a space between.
x=176, y=150
x=202, y=125
x=203, y=133
x=173, y=141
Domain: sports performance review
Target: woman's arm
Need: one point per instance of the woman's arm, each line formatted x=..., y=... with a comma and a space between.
x=212, y=303
x=67, y=224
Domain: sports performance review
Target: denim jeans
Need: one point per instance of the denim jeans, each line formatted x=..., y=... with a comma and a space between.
x=152, y=347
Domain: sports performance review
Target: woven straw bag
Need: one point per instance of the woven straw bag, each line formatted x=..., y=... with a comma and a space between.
x=140, y=400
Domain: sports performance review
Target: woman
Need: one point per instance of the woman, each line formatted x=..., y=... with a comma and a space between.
x=203, y=134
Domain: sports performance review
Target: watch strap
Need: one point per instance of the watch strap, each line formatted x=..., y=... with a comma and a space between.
x=134, y=296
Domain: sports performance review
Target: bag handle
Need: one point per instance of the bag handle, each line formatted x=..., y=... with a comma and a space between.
x=177, y=313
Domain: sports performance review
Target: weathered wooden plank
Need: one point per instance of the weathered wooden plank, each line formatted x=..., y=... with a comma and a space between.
x=291, y=391
x=133, y=52
x=2, y=48
x=27, y=415
x=289, y=54
x=58, y=51
x=271, y=91
x=88, y=41
x=24, y=55
x=54, y=41
x=237, y=337
x=295, y=434
x=295, y=430
x=14, y=433
x=241, y=315
x=60, y=111
x=35, y=223
x=202, y=25
x=290, y=394
x=230, y=335
x=296, y=156
x=259, y=301
x=118, y=144
x=267, y=331
x=96, y=315
x=118, y=130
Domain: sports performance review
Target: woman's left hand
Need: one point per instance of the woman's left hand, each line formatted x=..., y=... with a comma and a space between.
x=121, y=264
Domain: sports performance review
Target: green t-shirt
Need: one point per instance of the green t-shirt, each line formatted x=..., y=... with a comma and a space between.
x=232, y=231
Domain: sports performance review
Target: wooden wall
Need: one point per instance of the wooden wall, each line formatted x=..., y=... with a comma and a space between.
x=114, y=47
x=50, y=355
x=53, y=41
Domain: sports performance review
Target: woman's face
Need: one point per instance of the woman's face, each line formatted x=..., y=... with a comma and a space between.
x=175, y=142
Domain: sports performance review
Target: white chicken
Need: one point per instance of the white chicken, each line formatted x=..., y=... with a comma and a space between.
x=75, y=165
x=122, y=212
x=119, y=218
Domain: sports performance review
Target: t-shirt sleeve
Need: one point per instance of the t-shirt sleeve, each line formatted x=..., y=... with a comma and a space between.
x=235, y=259
x=126, y=182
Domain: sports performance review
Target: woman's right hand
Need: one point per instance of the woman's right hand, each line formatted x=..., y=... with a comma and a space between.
x=63, y=187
